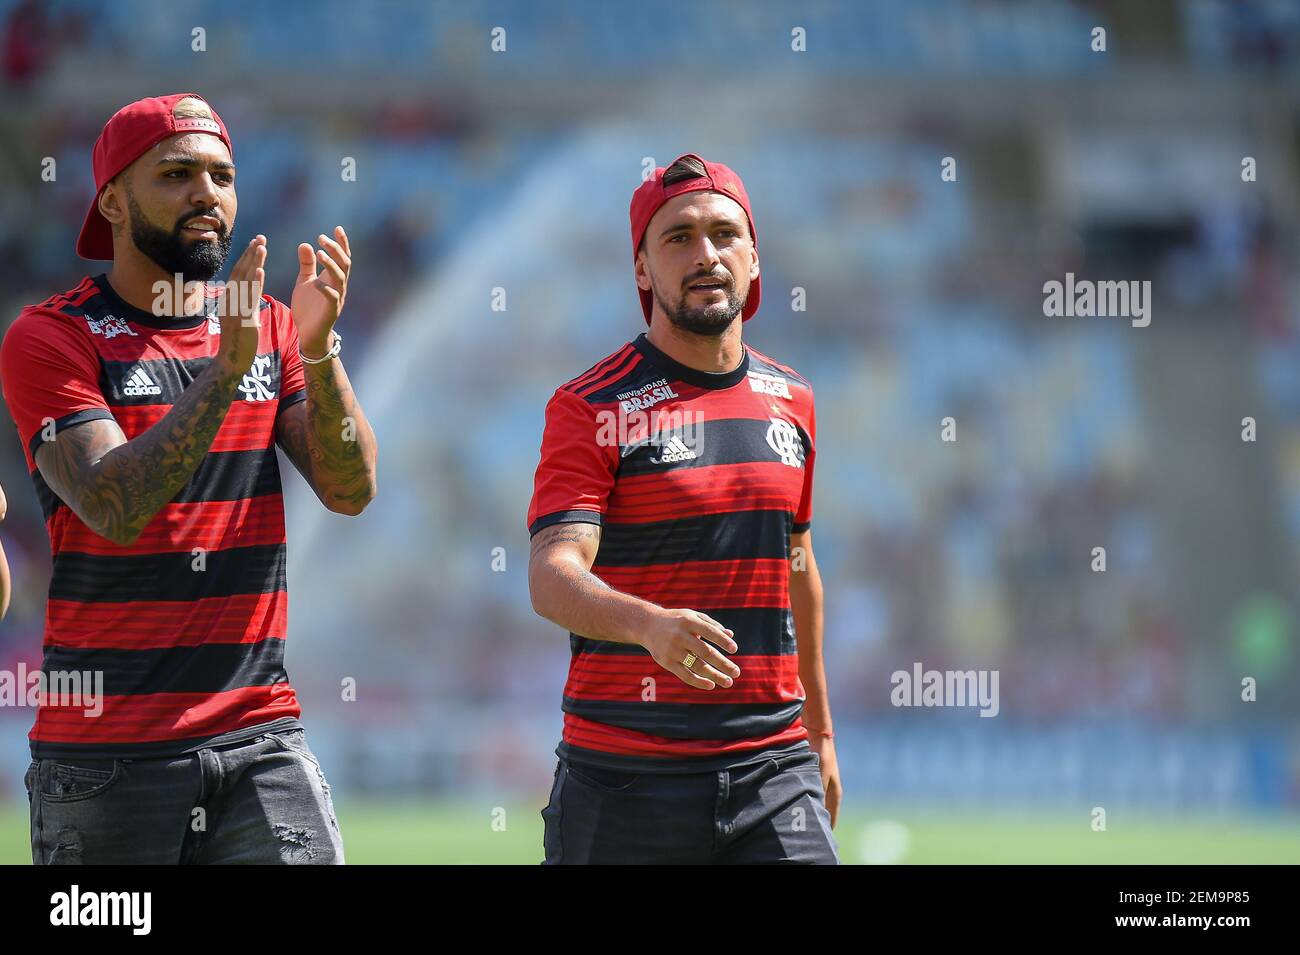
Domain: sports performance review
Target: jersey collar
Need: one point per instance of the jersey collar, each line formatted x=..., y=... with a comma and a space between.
x=676, y=371
x=124, y=309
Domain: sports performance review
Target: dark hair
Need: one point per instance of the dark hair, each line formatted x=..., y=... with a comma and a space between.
x=687, y=167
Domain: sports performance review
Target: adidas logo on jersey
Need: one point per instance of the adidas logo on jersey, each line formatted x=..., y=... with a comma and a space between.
x=138, y=384
x=769, y=384
x=674, y=449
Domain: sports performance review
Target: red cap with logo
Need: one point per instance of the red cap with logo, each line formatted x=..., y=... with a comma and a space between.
x=133, y=131
x=652, y=194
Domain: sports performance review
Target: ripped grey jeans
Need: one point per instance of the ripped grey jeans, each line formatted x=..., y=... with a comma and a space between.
x=261, y=801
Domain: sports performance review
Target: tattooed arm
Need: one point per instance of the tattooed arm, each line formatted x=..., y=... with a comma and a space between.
x=117, y=486
x=566, y=592
x=327, y=437
x=329, y=440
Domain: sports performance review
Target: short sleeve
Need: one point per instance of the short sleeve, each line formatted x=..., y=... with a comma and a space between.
x=293, y=383
x=576, y=472
x=803, y=515
x=50, y=375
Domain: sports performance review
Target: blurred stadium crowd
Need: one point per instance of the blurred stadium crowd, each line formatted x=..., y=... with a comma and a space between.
x=924, y=300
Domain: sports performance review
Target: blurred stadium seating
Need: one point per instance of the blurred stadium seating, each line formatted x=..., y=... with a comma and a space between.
x=479, y=171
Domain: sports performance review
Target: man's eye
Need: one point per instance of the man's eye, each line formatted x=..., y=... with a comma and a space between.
x=676, y=237
x=179, y=172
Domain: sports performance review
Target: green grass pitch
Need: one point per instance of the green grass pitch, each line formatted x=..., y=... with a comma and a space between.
x=433, y=832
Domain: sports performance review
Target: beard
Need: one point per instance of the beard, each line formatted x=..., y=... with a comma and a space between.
x=711, y=320
x=194, y=260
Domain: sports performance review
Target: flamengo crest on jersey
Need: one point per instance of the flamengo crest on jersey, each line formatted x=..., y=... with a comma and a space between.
x=187, y=623
x=697, y=491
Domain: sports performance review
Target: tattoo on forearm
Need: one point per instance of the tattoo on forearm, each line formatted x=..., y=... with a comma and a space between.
x=562, y=534
x=332, y=444
x=118, y=488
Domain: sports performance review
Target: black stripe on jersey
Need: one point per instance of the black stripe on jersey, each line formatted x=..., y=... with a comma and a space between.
x=67, y=421
x=734, y=535
x=760, y=631
x=207, y=668
x=93, y=578
x=291, y=399
x=675, y=764
x=220, y=476
x=690, y=720
x=726, y=441
x=232, y=476
x=160, y=381
x=565, y=517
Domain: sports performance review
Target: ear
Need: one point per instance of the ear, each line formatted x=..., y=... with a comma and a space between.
x=753, y=262
x=642, y=272
x=111, y=204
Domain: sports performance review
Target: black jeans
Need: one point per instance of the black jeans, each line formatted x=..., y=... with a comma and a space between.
x=772, y=811
x=262, y=801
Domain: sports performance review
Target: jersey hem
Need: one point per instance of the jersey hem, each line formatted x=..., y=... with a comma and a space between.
x=676, y=764
x=45, y=749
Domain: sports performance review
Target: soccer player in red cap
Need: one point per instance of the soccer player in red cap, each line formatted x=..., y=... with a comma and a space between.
x=150, y=404
x=670, y=526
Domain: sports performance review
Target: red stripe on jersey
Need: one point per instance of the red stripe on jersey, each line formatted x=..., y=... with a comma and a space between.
x=643, y=498
x=613, y=375
x=762, y=582
x=137, y=625
x=614, y=739
x=159, y=717
x=617, y=676
x=73, y=297
x=599, y=368
x=210, y=525
x=53, y=364
x=246, y=426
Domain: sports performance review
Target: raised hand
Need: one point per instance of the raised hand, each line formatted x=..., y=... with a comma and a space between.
x=238, y=309
x=318, y=299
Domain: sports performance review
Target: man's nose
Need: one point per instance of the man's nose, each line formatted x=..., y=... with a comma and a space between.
x=706, y=256
x=205, y=191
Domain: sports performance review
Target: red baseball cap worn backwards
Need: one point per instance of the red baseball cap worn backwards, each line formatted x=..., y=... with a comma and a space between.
x=652, y=194
x=133, y=131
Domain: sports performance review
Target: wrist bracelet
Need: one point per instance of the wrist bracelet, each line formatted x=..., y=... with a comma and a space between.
x=332, y=353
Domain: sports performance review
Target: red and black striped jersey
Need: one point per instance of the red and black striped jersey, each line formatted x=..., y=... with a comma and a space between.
x=186, y=624
x=697, y=480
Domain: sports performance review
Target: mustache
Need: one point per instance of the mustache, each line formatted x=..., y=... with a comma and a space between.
x=221, y=229
x=723, y=279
